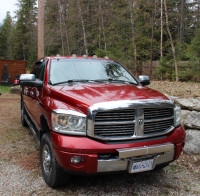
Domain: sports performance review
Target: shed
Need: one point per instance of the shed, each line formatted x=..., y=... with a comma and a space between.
x=15, y=67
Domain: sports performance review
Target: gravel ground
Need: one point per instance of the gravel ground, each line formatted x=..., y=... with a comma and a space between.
x=20, y=172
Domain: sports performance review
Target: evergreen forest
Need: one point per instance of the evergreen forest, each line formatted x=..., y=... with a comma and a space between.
x=133, y=32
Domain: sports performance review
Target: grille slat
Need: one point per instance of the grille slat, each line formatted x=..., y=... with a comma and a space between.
x=116, y=115
x=114, y=118
x=114, y=130
x=117, y=134
x=110, y=128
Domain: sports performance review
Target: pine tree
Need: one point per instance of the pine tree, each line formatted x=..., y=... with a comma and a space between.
x=25, y=31
x=6, y=31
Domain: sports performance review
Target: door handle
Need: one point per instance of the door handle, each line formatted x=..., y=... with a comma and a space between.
x=38, y=104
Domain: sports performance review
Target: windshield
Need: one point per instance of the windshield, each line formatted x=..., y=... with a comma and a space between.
x=69, y=70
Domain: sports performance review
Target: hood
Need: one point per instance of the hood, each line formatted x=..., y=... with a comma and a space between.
x=85, y=95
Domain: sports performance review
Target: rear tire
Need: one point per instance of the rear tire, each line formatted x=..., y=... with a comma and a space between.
x=52, y=173
x=23, y=112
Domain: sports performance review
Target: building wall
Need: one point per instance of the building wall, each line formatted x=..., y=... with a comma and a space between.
x=14, y=68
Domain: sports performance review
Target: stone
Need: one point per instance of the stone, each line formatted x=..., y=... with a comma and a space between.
x=15, y=89
x=192, y=144
x=184, y=114
x=172, y=98
x=193, y=120
x=189, y=104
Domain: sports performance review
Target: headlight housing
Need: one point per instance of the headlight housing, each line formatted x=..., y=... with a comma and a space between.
x=177, y=116
x=68, y=122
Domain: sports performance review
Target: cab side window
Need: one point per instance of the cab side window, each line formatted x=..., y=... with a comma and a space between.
x=39, y=70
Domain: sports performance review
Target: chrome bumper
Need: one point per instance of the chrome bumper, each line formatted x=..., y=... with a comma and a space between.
x=160, y=153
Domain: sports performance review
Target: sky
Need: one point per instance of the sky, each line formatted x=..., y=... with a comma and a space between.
x=7, y=5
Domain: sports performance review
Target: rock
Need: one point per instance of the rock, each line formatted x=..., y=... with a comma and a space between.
x=193, y=120
x=189, y=104
x=171, y=97
x=192, y=144
x=184, y=114
x=15, y=89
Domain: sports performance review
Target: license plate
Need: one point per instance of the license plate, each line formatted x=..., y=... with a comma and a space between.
x=141, y=166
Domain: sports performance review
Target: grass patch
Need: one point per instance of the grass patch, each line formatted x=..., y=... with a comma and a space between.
x=11, y=136
x=4, y=89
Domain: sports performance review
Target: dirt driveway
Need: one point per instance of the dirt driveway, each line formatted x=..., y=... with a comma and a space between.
x=20, y=168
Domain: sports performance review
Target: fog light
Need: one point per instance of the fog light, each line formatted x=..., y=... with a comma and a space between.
x=76, y=159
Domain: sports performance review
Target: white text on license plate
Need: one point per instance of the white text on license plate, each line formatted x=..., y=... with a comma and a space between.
x=142, y=166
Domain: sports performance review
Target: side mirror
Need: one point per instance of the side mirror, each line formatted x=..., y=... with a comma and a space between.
x=30, y=80
x=144, y=80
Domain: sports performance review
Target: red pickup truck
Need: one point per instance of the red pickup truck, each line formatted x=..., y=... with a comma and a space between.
x=91, y=115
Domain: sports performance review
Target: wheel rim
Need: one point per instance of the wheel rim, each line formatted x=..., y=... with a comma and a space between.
x=46, y=160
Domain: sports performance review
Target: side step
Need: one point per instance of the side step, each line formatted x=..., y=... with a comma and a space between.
x=32, y=128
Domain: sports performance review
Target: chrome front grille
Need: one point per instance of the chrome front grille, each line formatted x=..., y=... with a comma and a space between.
x=130, y=119
x=117, y=123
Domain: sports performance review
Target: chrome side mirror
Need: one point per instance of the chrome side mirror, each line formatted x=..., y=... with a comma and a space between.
x=30, y=80
x=27, y=77
x=144, y=80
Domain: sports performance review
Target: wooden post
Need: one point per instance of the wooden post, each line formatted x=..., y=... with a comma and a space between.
x=161, y=31
x=40, y=29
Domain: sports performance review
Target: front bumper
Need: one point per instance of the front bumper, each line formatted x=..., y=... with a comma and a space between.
x=120, y=156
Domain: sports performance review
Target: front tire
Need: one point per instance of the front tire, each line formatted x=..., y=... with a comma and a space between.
x=52, y=173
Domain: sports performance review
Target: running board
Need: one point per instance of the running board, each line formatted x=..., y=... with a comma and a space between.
x=32, y=128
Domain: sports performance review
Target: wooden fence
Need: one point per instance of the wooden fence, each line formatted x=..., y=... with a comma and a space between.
x=15, y=67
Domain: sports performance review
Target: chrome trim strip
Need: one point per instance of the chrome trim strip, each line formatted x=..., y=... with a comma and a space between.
x=159, y=119
x=112, y=165
x=125, y=104
x=115, y=122
x=69, y=112
x=139, y=125
x=133, y=152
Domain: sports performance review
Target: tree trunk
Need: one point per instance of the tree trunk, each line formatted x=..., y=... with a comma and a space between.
x=171, y=41
x=198, y=11
x=161, y=31
x=65, y=26
x=152, y=37
x=61, y=25
x=83, y=27
x=99, y=24
x=133, y=36
x=40, y=29
x=102, y=25
x=182, y=21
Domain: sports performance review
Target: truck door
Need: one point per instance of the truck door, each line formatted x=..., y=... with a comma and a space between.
x=36, y=94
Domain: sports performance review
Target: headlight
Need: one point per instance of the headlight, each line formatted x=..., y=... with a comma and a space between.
x=177, y=116
x=68, y=122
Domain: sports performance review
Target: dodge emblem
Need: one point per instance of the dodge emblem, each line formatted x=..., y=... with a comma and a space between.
x=140, y=122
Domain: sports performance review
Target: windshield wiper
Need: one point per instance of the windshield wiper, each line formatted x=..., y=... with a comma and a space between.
x=69, y=81
x=100, y=81
x=123, y=81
